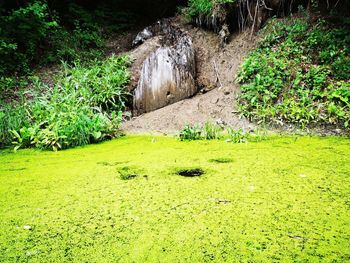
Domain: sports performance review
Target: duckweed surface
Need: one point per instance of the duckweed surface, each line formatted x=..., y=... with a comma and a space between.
x=285, y=199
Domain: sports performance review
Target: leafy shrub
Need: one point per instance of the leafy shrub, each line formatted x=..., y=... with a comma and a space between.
x=33, y=34
x=79, y=44
x=84, y=106
x=296, y=74
x=102, y=84
x=12, y=117
x=22, y=32
x=62, y=121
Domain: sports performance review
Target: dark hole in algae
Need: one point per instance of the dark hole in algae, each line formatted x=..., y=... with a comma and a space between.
x=190, y=172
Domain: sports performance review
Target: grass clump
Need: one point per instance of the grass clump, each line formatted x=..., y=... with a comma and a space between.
x=209, y=131
x=84, y=106
x=299, y=74
x=190, y=133
x=238, y=136
x=198, y=7
x=212, y=131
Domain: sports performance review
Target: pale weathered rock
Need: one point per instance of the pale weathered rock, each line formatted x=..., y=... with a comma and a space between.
x=161, y=27
x=167, y=75
x=142, y=36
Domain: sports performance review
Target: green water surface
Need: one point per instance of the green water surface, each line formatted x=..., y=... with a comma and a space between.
x=286, y=199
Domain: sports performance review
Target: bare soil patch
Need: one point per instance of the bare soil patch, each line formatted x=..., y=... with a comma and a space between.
x=216, y=71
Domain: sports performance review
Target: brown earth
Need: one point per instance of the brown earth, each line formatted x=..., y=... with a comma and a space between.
x=216, y=70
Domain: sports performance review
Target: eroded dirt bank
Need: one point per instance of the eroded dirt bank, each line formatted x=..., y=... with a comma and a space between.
x=216, y=68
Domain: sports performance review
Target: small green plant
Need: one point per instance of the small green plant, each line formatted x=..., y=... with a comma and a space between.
x=9, y=86
x=258, y=135
x=237, y=136
x=197, y=7
x=211, y=131
x=22, y=138
x=190, y=133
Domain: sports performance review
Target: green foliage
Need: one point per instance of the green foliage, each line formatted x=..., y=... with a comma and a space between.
x=22, y=33
x=84, y=106
x=12, y=118
x=211, y=131
x=214, y=132
x=203, y=7
x=81, y=39
x=85, y=102
x=299, y=74
x=82, y=43
x=101, y=85
x=190, y=133
x=237, y=136
x=242, y=136
x=33, y=34
x=63, y=120
x=10, y=84
x=197, y=7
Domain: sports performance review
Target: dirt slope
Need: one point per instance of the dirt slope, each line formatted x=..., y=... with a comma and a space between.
x=216, y=70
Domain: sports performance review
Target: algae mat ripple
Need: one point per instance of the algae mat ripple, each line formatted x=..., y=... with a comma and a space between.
x=285, y=199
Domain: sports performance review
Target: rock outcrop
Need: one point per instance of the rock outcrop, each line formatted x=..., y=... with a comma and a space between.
x=168, y=74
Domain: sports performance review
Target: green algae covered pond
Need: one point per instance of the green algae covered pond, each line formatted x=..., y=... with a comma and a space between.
x=285, y=199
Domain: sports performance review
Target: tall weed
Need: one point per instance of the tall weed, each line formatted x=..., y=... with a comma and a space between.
x=84, y=106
